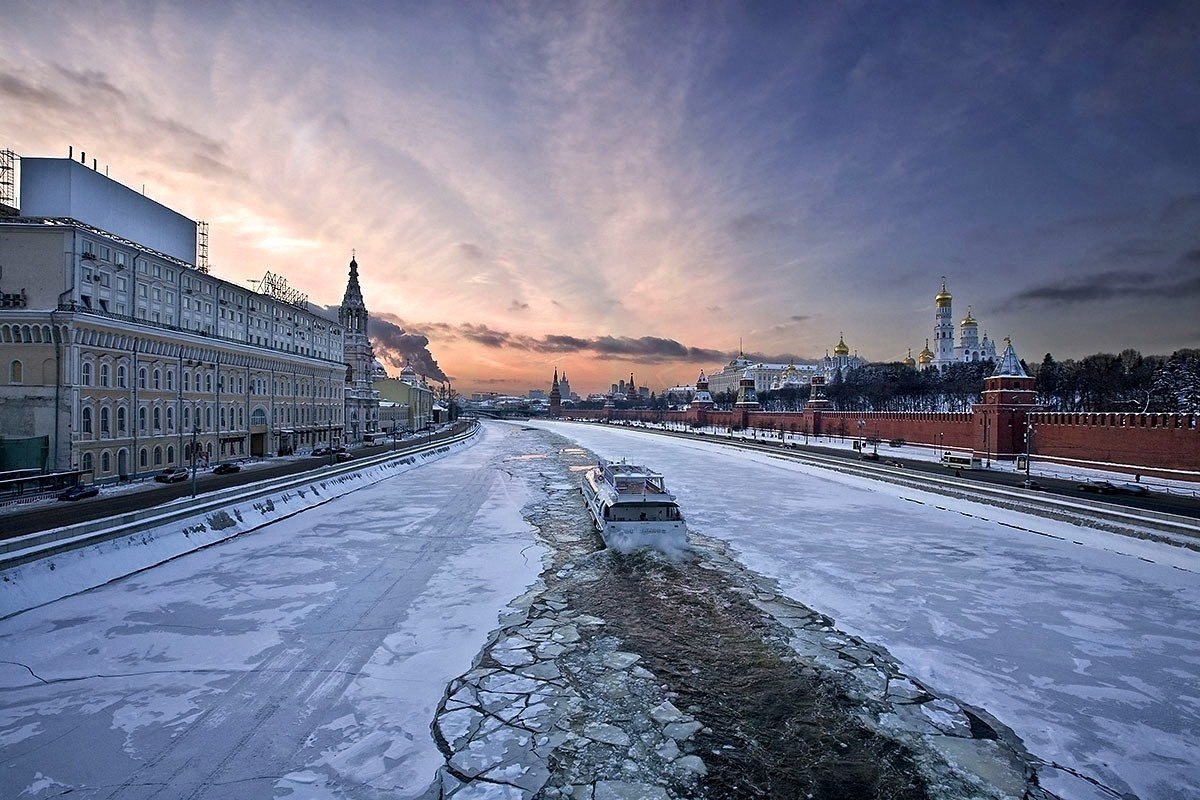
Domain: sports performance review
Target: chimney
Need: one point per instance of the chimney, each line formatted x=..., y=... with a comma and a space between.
x=82, y=157
x=71, y=152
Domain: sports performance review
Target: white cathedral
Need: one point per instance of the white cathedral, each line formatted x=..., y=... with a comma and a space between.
x=969, y=348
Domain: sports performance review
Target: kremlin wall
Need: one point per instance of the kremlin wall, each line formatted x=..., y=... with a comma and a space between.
x=1160, y=445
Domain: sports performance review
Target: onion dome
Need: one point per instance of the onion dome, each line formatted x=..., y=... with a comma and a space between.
x=841, y=349
x=925, y=357
x=968, y=319
x=943, y=297
x=909, y=361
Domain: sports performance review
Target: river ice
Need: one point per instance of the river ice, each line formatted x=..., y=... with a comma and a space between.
x=1086, y=643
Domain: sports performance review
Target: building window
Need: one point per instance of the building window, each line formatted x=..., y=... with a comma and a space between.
x=143, y=458
x=16, y=372
x=86, y=464
x=104, y=431
x=187, y=418
x=187, y=381
x=121, y=379
x=158, y=454
x=157, y=419
x=170, y=379
x=142, y=378
x=85, y=373
x=104, y=375
x=157, y=378
x=170, y=419
x=142, y=420
x=121, y=420
x=85, y=420
x=105, y=462
x=170, y=454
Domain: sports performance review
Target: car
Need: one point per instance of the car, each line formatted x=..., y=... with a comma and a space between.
x=171, y=476
x=79, y=491
x=342, y=455
x=1099, y=487
x=1031, y=484
x=1135, y=489
x=869, y=456
x=322, y=451
x=227, y=468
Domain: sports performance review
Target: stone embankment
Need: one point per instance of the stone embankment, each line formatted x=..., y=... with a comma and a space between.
x=638, y=678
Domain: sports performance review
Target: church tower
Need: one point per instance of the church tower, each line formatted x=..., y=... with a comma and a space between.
x=943, y=328
x=361, y=400
x=555, y=395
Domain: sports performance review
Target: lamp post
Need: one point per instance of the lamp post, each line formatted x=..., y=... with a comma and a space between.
x=861, y=424
x=1028, y=444
x=941, y=445
x=987, y=442
x=195, y=434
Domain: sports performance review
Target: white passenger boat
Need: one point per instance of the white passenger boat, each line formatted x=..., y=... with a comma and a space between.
x=632, y=508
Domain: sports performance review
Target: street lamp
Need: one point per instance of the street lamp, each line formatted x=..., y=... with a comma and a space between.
x=861, y=424
x=1028, y=444
x=195, y=434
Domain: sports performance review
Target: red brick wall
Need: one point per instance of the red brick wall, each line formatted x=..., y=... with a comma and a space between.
x=1141, y=441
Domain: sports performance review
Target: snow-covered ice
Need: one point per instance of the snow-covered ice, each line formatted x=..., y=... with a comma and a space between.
x=303, y=660
x=1086, y=643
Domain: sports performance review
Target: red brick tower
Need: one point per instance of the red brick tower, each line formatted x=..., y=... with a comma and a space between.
x=1003, y=416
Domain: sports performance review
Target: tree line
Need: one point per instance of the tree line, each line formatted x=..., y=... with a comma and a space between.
x=1127, y=382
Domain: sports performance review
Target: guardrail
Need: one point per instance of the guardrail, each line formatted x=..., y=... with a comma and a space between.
x=1019, y=498
x=33, y=546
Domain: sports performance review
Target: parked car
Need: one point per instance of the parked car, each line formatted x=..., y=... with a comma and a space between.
x=1031, y=484
x=342, y=455
x=79, y=491
x=1135, y=489
x=870, y=456
x=227, y=468
x=322, y=451
x=1099, y=487
x=171, y=476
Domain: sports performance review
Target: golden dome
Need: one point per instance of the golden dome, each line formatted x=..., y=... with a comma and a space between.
x=943, y=297
x=908, y=360
x=926, y=355
x=842, y=349
x=968, y=319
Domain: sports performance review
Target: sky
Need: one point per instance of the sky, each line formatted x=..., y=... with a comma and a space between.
x=608, y=188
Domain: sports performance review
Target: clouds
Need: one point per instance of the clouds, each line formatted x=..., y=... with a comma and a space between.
x=641, y=184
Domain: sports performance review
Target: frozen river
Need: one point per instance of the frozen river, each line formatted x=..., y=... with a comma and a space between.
x=306, y=659
x=1087, y=644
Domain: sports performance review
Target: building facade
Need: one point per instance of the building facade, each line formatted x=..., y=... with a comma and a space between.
x=409, y=402
x=125, y=359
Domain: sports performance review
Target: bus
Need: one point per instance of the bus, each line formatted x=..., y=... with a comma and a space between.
x=961, y=461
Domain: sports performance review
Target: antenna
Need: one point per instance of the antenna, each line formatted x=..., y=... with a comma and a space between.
x=276, y=286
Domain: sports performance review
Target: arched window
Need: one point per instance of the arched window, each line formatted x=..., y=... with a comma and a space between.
x=170, y=379
x=157, y=419
x=142, y=420
x=187, y=381
x=106, y=462
x=16, y=373
x=104, y=429
x=121, y=420
x=86, y=463
x=208, y=418
x=187, y=418
x=222, y=416
x=85, y=374
x=142, y=378
x=104, y=375
x=258, y=417
x=122, y=381
x=170, y=454
x=144, y=458
x=170, y=419
x=85, y=420
x=157, y=378
x=158, y=454
x=208, y=383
